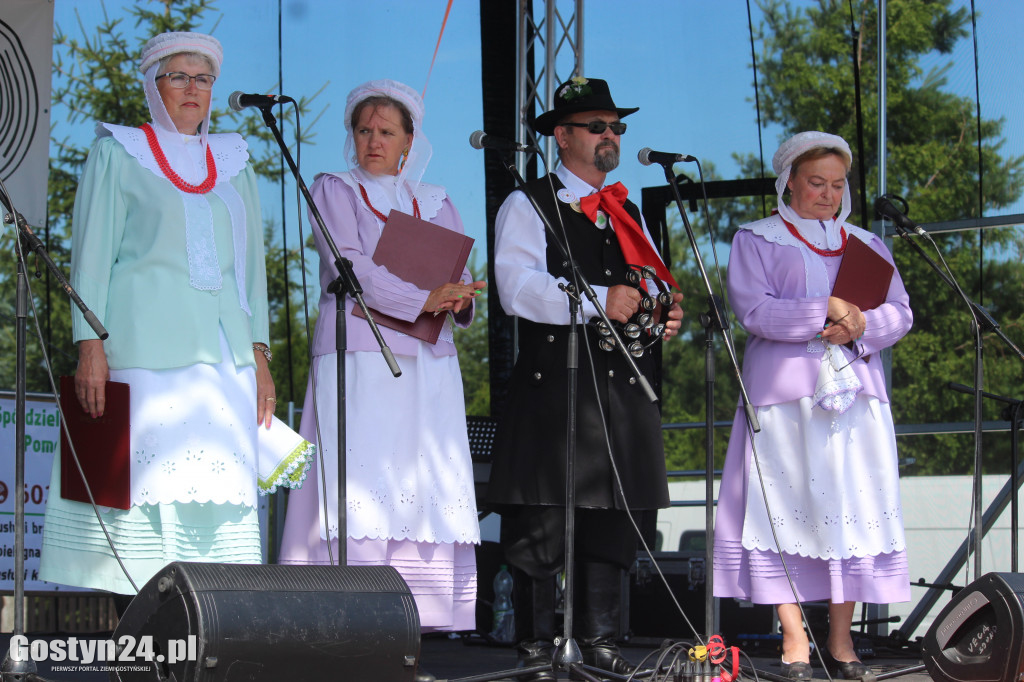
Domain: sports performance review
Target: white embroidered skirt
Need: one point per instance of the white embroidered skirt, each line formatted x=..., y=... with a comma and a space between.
x=832, y=486
x=410, y=475
x=194, y=488
x=410, y=497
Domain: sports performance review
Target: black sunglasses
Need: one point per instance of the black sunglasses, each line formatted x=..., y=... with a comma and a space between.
x=598, y=127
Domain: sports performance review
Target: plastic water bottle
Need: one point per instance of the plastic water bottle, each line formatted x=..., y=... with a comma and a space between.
x=504, y=617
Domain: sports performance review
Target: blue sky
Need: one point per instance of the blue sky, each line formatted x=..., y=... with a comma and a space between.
x=685, y=63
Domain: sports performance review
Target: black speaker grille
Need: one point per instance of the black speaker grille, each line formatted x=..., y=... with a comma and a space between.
x=199, y=577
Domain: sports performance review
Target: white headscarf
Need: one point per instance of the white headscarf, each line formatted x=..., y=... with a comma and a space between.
x=782, y=164
x=166, y=45
x=420, y=150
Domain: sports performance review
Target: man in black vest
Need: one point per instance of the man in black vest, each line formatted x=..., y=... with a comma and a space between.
x=620, y=462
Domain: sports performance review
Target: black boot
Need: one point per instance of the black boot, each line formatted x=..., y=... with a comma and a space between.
x=534, y=605
x=600, y=608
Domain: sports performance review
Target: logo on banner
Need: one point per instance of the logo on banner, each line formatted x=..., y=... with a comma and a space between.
x=19, y=127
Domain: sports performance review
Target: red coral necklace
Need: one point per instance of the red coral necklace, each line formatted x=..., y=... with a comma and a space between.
x=821, y=252
x=380, y=216
x=165, y=167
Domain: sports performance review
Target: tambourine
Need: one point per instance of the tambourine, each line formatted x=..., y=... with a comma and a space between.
x=643, y=321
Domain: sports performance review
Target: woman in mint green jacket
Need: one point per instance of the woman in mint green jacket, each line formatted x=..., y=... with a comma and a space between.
x=167, y=249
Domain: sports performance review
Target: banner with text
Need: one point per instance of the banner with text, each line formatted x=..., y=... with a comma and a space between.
x=42, y=440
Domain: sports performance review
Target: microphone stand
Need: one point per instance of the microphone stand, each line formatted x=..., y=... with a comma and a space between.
x=712, y=320
x=346, y=283
x=981, y=321
x=13, y=669
x=567, y=652
x=1012, y=411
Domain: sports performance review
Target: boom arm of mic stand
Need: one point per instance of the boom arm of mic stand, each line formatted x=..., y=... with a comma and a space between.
x=348, y=281
x=981, y=315
x=713, y=301
x=34, y=244
x=584, y=284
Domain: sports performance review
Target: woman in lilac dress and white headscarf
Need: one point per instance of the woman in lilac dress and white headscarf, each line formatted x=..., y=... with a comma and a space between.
x=410, y=491
x=826, y=450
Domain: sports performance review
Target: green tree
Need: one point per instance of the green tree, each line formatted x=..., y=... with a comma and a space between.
x=473, y=355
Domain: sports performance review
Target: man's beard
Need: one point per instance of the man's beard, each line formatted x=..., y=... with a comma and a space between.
x=606, y=161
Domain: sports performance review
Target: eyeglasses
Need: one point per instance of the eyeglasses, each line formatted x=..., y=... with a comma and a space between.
x=859, y=353
x=598, y=127
x=177, y=79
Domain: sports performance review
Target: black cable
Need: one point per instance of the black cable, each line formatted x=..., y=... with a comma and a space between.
x=757, y=104
x=859, y=115
x=981, y=160
x=284, y=222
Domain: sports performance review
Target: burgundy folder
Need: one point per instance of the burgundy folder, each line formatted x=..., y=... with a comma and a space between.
x=103, y=448
x=863, y=277
x=425, y=254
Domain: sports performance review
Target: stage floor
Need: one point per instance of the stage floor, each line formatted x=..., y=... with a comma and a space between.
x=456, y=659
x=451, y=659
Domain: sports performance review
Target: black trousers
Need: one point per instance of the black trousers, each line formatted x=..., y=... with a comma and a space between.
x=533, y=538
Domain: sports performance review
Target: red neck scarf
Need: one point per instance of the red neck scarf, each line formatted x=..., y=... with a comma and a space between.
x=632, y=240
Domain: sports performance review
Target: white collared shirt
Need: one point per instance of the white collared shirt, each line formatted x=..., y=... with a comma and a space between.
x=520, y=260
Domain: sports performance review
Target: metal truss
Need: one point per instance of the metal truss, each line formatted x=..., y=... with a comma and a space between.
x=550, y=38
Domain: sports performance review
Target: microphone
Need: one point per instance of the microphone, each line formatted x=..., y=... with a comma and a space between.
x=647, y=156
x=238, y=100
x=885, y=209
x=481, y=140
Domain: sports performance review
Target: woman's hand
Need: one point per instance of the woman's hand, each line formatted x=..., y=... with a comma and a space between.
x=91, y=377
x=675, y=316
x=845, y=322
x=266, y=394
x=453, y=297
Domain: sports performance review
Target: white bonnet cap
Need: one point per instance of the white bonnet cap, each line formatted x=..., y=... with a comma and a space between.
x=420, y=151
x=175, y=42
x=789, y=151
x=800, y=143
x=389, y=88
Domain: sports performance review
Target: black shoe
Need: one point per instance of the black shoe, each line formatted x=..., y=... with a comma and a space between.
x=848, y=670
x=798, y=670
x=607, y=657
x=532, y=654
x=423, y=676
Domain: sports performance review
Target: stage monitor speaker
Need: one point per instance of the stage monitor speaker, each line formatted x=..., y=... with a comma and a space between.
x=652, y=613
x=979, y=635
x=254, y=623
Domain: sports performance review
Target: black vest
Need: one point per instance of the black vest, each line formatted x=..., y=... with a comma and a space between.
x=530, y=449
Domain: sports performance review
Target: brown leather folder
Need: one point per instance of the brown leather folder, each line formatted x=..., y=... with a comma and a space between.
x=863, y=277
x=103, y=447
x=425, y=254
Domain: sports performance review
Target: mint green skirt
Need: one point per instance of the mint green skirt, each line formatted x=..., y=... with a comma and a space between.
x=147, y=537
